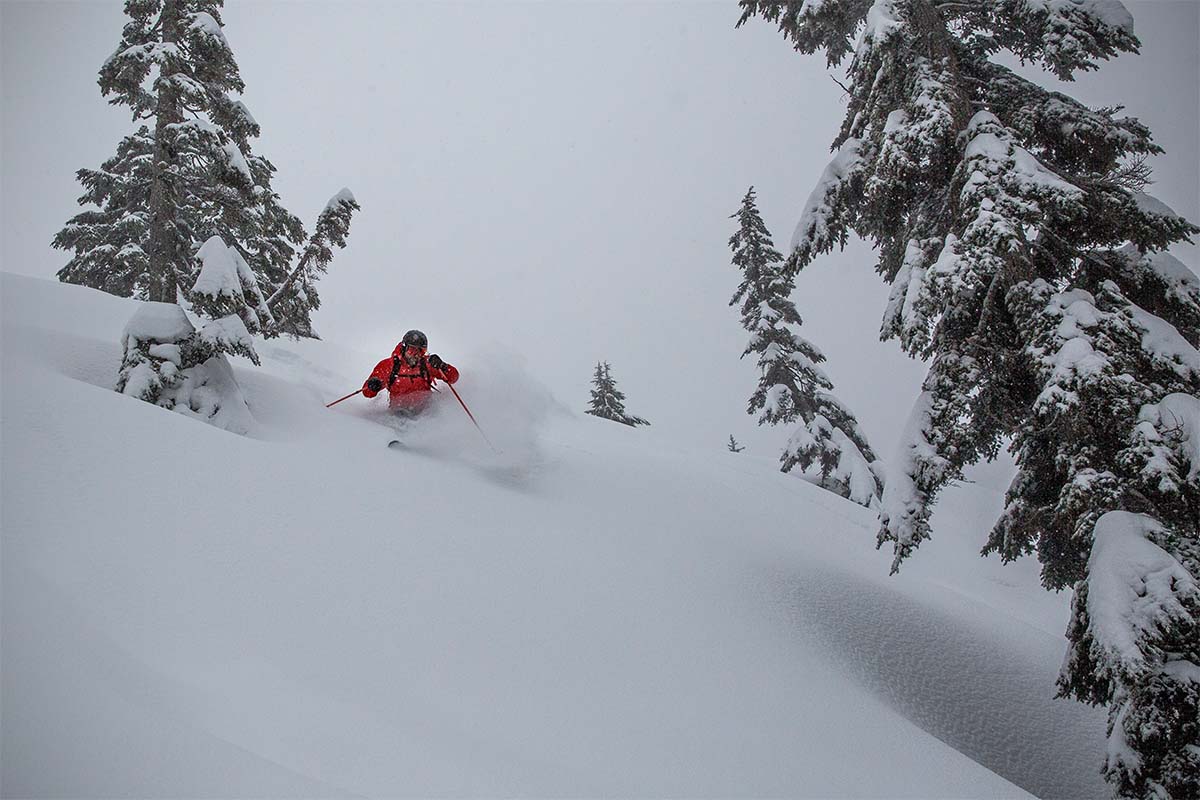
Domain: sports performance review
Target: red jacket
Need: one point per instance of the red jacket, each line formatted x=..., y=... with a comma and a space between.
x=408, y=387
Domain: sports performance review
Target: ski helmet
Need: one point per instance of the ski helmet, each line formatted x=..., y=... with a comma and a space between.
x=415, y=338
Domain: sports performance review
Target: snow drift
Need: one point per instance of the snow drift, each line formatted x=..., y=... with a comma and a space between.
x=591, y=610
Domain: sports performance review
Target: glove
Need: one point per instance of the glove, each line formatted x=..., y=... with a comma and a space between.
x=436, y=362
x=374, y=385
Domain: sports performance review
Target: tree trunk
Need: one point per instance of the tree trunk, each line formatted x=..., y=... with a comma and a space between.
x=291, y=279
x=164, y=193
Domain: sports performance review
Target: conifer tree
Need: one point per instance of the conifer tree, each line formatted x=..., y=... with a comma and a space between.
x=608, y=402
x=182, y=210
x=172, y=187
x=1028, y=268
x=734, y=447
x=174, y=67
x=826, y=442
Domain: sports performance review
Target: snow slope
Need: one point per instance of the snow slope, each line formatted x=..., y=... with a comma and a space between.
x=594, y=611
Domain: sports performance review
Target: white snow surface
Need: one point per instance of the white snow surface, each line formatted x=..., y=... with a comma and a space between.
x=1136, y=589
x=227, y=333
x=596, y=610
x=159, y=322
x=882, y=21
x=902, y=501
x=1112, y=13
x=1172, y=427
x=1150, y=204
x=220, y=272
x=204, y=22
x=1166, y=345
x=991, y=144
x=344, y=195
x=813, y=227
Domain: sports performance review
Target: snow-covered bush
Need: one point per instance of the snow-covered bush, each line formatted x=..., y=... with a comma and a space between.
x=152, y=347
x=166, y=361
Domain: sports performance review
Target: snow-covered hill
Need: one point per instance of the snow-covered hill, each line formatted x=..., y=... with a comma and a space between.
x=595, y=611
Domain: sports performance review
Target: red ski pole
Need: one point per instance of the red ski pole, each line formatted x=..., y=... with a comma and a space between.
x=340, y=399
x=472, y=416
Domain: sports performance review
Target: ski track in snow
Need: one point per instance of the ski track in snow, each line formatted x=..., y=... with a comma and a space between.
x=593, y=611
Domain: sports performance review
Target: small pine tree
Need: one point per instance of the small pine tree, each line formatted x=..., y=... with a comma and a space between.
x=170, y=363
x=166, y=361
x=827, y=443
x=1028, y=268
x=608, y=402
x=734, y=447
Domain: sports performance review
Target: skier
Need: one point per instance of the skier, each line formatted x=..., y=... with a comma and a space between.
x=409, y=375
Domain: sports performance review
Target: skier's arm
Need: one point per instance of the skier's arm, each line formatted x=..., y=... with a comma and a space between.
x=378, y=379
x=441, y=370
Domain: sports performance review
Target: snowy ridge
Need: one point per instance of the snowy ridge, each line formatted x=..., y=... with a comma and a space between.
x=597, y=610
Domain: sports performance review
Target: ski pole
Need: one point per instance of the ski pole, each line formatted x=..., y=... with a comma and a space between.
x=472, y=416
x=340, y=399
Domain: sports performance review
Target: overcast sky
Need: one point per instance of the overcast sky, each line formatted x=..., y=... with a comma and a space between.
x=556, y=177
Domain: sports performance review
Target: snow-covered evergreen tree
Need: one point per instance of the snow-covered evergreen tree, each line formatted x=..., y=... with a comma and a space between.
x=184, y=212
x=826, y=443
x=608, y=402
x=295, y=296
x=192, y=176
x=734, y=447
x=1029, y=269
x=166, y=361
x=174, y=67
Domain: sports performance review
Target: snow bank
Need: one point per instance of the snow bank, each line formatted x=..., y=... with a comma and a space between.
x=308, y=613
